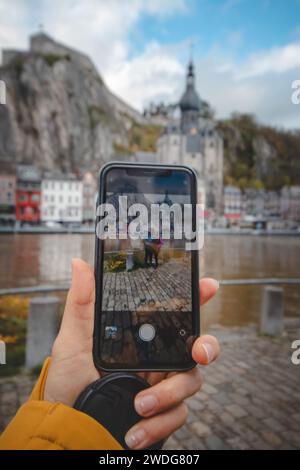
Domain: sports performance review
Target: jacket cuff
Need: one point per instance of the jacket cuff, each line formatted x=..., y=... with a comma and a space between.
x=38, y=390
x=63, y=421
x=54, y=426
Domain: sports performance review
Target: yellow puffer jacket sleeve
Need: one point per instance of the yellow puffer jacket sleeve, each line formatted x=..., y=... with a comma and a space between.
x=40, y=424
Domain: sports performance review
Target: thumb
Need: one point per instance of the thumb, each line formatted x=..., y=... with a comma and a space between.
x=78, y=318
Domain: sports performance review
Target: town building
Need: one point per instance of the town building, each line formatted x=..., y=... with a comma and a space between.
x=62, y=200
x=290, y=203
x=191, y=138
x=262, y=203
x=89, y=198
x=253, y=202
x=28, y=194
x=7, y=198
x=232, y=202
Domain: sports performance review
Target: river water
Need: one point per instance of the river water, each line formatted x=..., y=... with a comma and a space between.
x=32, y=259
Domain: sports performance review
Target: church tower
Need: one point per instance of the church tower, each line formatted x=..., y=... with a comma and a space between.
x=193, y=139
x=190, y=103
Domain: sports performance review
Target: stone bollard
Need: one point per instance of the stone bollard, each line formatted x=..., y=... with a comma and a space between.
x=129, y=261
x=42, y=327
x=271, y=315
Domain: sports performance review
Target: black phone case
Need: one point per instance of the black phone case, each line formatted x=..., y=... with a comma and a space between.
x=98, y=276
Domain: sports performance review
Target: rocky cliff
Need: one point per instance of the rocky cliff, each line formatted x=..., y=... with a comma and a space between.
x=259, y=156
x=59, y=112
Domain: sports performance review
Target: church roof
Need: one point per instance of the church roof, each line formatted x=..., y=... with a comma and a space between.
x=190, y=100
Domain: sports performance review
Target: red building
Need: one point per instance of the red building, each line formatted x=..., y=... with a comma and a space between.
x=28, y=194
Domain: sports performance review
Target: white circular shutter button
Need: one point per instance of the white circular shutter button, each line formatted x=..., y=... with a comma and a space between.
x=147, y=332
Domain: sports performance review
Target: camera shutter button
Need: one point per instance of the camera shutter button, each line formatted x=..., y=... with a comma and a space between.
x=147, y=332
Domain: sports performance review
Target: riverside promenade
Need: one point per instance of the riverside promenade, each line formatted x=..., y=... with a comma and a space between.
x=250, y=398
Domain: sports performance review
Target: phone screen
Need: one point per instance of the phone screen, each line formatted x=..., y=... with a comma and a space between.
x=147, y=302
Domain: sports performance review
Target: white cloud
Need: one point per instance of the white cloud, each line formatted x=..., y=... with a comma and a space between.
x=276, y=60
x=108, y=31
x=100, y=28
x=260, y=85
x=154, y=75
x=13, y=29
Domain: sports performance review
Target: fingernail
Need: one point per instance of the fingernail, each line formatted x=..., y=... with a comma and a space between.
x=209, y=351
x=217, y=284
x=145, y=404
x=134, y=438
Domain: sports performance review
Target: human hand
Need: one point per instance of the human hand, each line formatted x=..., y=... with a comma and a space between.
x=72, y=367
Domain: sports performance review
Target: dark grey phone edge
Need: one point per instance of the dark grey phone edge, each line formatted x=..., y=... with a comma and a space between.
x=98, y=275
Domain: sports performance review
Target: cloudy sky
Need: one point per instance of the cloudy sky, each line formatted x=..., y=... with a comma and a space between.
x=247, y=52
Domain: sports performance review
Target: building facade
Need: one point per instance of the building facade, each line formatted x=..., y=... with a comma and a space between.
x=282, y=205
x=28, y=194
x=192, y=139
x=232, y=202
x=62, y=200
x=290, y=203
x=7, y=198
x=89, y=198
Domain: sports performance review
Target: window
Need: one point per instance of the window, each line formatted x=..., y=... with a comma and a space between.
x=70, y=199
x=61, y=186
x=23, y=197
x=45, y=184
x=35, y=197
x=52, y=198
x=61, y=199
x=70, y=186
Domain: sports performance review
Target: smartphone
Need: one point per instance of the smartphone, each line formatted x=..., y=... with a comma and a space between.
x=147, y=280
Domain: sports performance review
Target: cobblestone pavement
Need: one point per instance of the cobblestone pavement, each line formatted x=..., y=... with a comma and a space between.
x=165, y=288
x=250, y=398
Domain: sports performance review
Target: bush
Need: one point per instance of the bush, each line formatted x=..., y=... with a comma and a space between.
x=51, y=59
x=13, y=315
x=115, y=263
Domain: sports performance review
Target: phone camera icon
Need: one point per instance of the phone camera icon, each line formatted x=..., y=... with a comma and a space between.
x=111, y=332
x=182, y=332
